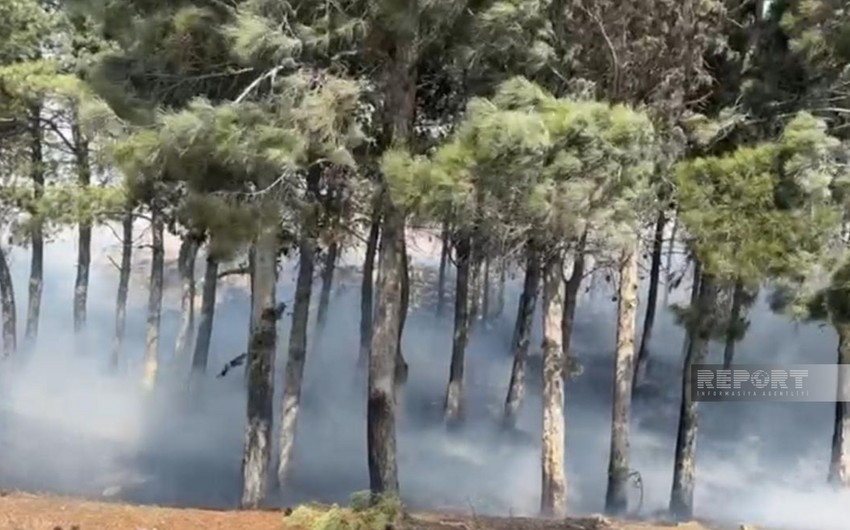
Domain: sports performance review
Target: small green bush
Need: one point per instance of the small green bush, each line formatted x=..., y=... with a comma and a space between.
x=365, y=513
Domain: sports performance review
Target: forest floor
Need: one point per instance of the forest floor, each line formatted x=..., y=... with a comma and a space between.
x=19, y=511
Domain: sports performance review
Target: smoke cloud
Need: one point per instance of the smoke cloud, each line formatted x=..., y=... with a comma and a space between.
x=68, y=427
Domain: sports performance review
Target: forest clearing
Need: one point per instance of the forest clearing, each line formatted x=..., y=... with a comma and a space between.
x=472, y=257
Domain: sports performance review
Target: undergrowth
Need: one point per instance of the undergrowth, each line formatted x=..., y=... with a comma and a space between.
x=363, y=514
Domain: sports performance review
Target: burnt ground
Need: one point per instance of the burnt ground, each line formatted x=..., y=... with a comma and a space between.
x=20, y=511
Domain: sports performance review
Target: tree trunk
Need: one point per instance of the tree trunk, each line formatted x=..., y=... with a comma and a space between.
x=381, y=436
x=500, y=291
x=261, y=353
x=616, y=499
x=154, y=300
x=441, y=276
x=570, y=303
x=485, y=297
x=202, y=344
x=475, y=283
x=256, y=309
x=123, y=288
x=732, y=331
x=36, y=283
x=7, y=303
x=668, y=267
x=366, y=289
x=454, y=392
x=327, y=285
x=294, y=374
x=695, y=286
x=400, y=363
x=186, y=265
x=397, y=116
x=684, y=469
x=839, y=464
x=554, y=498
x=528, y=300
x=81, y=284
x=651, y=301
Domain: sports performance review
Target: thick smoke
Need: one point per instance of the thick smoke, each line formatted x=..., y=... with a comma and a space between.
x=67, y=426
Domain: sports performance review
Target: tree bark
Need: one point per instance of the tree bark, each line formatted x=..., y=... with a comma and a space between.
x=294, y=375
x=668, y=267
x=485, y=297
x=366, y=289
x=528, y=300
x=261, y=353
x=186, y=264
x=81, y=284
x=570, y=303
x=154, y=300
x=735, y=315
x=695, y=287
x=202, y=344
x=554, y=498
x=616, y=499
x=327, y=285
x=441, y=276
x=500, y=292
x=460, y=339
x=36, y=283
x=651, y=301
x=400, y=363
x=256, y=308
x=7, y=303
x=684, y=468
x=839, y=463
x=123, y=288
x=381, y=436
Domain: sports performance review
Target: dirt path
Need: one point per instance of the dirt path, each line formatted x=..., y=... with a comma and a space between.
x=19, y=511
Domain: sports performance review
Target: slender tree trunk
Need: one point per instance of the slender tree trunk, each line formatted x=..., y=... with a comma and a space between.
x=202, y=344
x=570, y=303
x=36, y=283
x=668, y=267
x=651, y=300
x=485, y=297
x=327, y=285
x=695, y=286
x=500, y=291
x=475, y=284
x=256, y=308
x=294, y=374
x=839, y=464
x=616, y=500
x=454, y=392
x=684, y=468
x=441, y=277
x=261, y=353
x=123, y=288
x=526, y=305
x=154, y=300
x=186, y=264
x=7, y=303
x=400, y=363
x=554, y=498
x=734, y=316
x=81, y=284
x=528, y=300
x=366, y=289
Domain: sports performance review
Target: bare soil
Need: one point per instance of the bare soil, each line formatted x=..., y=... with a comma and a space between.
x=20, y=511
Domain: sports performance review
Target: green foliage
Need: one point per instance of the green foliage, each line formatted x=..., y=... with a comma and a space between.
x=526, y=162
x=365, y=514
x=763, y=210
